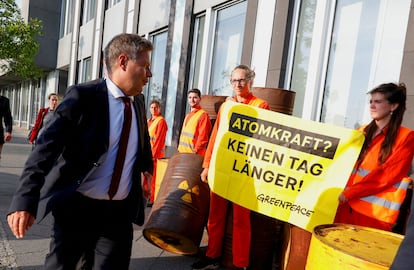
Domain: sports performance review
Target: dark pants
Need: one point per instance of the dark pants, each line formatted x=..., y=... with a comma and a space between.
x=97, y=230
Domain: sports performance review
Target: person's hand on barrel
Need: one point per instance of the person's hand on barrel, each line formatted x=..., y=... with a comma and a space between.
x=147, y=187
x=203, y=175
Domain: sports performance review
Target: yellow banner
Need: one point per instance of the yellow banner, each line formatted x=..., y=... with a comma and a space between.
x=282, y=166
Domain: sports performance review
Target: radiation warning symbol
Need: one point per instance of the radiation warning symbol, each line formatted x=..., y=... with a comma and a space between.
x=187, y=196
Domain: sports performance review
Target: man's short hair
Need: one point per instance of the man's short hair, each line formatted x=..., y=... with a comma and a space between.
x=194, y=90
x=51, y=95
x=129, y=44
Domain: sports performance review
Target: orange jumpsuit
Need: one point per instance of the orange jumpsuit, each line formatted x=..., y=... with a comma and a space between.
x=157, y=129
x=218, y=209
x=374, y=192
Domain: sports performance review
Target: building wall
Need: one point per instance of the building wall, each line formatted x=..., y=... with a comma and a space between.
x=64, y=52
x=147, y=21
x=49, y=12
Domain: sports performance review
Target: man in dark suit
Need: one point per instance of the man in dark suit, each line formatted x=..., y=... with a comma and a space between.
x=6, y=118
x=69, y=172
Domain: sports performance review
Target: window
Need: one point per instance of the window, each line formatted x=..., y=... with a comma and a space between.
x=111, y=3
x=343, y=49
x=365, y=53
x=67, y=14
x=302, y=54
x=195, y=71
x=228, y=45
x=85, y=70
x=211, y=66
x=89, y=9
x=158, y=55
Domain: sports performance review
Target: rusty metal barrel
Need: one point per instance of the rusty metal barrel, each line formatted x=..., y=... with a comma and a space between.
x=280, y=100
x=179, y=215
x=211, y=104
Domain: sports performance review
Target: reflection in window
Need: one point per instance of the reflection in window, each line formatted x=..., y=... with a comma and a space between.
x=194, y=79
x=158, y=55
x=365, y=43
x=228, y=45
x=302, y=53
x=85, y=72
x=67, y=14
x=366, y=50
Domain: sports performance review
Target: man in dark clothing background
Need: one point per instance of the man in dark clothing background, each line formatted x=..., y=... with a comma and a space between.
x=6, y=118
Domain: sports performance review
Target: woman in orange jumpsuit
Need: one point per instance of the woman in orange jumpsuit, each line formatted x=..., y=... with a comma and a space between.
x=157, y=129
x=378, y=184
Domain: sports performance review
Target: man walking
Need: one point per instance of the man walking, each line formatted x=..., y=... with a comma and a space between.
x=80, y=169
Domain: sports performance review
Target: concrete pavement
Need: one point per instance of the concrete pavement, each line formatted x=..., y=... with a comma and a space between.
x=29, y=253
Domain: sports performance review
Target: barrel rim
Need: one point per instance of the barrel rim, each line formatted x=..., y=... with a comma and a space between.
x=275, y=88
x=317, y=233
x=151, y=234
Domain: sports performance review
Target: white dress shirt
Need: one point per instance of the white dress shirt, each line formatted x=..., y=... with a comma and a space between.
x=96, y=186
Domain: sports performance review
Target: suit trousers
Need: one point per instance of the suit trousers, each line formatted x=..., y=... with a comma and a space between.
x=99, y=231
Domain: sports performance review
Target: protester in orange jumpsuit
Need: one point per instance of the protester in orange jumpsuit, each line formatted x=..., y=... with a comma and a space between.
x=378, y=184
x=196, y=127
x=242, y=80
x=157, y=129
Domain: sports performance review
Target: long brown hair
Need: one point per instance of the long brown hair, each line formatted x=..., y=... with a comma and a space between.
x=395, y=94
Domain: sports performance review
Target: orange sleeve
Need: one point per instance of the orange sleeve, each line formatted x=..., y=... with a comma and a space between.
x=160, y=134
x=207, y=156
x=264, y=105
x=203, y=129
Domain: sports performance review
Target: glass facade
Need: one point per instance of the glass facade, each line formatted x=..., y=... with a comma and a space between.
x=359, y=42
x=368, y=38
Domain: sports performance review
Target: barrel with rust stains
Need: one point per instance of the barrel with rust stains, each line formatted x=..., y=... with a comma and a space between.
x=180, y=212
x=351, y=247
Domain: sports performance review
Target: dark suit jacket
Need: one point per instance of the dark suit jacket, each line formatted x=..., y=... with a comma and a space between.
x=73, y=145
x=5, y=116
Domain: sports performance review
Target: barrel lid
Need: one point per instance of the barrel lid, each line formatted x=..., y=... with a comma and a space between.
x=373, y=245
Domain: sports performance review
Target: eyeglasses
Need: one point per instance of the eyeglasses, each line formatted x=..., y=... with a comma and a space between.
x=241, y=81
